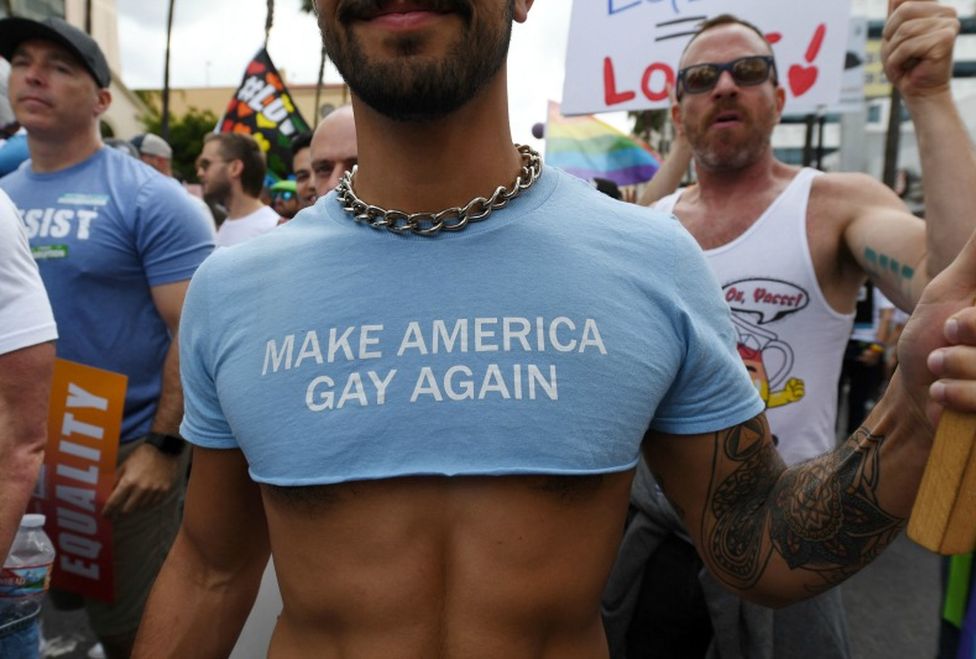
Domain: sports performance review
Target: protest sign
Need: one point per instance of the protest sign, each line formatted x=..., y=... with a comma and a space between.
x=623, y=54
x=84, y=422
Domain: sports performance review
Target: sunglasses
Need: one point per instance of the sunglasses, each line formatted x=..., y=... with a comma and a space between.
x=746, y=71
x=284, y=195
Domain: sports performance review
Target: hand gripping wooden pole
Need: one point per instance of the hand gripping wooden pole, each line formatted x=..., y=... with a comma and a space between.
x=944, y=516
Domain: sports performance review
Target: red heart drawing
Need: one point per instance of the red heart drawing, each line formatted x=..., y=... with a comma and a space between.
x=802, y=78
x=254, y=68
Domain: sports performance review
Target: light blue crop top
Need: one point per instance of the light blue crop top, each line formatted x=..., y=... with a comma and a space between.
x=545, y=340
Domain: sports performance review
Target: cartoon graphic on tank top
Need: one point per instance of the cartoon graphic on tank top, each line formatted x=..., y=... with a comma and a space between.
x=791, y=340
x=756, y=303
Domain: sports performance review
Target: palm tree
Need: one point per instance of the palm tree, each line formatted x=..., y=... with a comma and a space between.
x=164, y=127
x=308, y=6
x=268, y=22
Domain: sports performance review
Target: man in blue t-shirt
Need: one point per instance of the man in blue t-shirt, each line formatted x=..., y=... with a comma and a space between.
x=116, y=244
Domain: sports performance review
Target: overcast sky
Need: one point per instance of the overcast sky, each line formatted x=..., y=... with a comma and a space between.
x=214, y=40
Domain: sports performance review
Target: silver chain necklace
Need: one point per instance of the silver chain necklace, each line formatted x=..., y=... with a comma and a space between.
x=449, y=219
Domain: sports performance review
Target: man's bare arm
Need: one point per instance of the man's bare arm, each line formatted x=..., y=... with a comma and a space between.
x=886, y=242
x=669, y=176
x=776, y=534
x=25, y=388
x=147, y=475
x=168, y=300
x=917, y=50
x=210, y=578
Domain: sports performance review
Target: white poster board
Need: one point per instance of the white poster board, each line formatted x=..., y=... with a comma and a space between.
x=852, y=80
x=622, y=54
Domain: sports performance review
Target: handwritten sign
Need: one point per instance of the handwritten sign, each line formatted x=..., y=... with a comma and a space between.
x=623, y=54
x=78, y=475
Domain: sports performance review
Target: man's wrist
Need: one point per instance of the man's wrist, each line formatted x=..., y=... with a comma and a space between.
x=930, y=103
x=168, y=444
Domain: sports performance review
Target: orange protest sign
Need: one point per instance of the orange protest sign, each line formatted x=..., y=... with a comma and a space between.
x=84, y=423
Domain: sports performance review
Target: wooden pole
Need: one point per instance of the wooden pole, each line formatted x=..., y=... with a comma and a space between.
x=893, y=139
x=944, y=516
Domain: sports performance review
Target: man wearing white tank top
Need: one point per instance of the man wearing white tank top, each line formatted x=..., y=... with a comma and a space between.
x=790, y=247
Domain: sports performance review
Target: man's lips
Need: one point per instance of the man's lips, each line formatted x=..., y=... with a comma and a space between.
x=33, y=99
x=403, y=19
x=726, y=117
x=400, y=8
x=400, y=12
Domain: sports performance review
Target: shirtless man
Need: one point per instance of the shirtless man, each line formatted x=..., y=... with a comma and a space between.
x=806, y=242
x=441, y=429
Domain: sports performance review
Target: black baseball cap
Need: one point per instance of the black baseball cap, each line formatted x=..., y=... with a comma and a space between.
x=14, y=31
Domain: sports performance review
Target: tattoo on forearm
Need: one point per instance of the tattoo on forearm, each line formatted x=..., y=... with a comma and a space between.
x=822, y=515
x=882, y=265
x=826, y=516
x=737, y=539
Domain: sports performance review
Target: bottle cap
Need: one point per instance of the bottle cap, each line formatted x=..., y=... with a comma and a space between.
x=32, y=521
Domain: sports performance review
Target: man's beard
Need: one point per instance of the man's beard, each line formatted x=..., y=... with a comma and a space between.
x=724, y=152
x=413, y=88
x=217, y=191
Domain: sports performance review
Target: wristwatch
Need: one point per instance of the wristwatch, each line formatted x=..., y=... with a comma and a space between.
x=168, y=444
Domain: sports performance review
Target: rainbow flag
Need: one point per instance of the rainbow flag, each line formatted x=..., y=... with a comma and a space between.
x=262, y=107
x=587, y=147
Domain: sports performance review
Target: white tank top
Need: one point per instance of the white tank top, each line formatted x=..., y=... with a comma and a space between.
x=790, y=339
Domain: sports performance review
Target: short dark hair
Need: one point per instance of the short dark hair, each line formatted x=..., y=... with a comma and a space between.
x=238, y=146
x=301, y=141
x=730, y=19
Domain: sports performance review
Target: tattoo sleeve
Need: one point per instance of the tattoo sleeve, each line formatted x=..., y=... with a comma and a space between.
x=821, y=516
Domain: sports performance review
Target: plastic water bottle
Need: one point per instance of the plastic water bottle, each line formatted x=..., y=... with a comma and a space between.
x=26, y=573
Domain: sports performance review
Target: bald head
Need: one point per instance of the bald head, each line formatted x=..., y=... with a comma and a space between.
x=333, y=149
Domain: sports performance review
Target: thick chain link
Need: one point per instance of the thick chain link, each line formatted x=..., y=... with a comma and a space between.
x=449, y=219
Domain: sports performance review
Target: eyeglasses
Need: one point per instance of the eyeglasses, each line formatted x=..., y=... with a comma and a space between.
x=746, y=71
x=284, y=195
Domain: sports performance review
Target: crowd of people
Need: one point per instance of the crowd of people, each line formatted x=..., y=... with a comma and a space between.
x=467, y=405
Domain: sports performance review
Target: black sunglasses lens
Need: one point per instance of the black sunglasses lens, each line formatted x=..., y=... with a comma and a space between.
x=700, y=78
x=750, y=71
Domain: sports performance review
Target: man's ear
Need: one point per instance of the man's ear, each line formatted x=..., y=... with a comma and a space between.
x=235, y=168
x=780, y=100
x=676, y=116
x=103, y=100
x=522, y=8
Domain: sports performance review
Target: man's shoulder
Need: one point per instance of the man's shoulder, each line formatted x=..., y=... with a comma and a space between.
x=846, y=187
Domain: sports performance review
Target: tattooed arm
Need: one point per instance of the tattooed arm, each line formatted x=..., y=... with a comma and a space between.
x=778, y=534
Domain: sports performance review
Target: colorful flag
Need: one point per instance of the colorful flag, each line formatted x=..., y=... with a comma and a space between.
x=589, y=148
x=263, y=108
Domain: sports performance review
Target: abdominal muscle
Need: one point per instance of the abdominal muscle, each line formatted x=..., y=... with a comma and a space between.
x=431, y=567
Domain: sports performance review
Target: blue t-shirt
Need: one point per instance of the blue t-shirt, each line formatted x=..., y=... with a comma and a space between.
x=545, y=340
x=13, y=152
x=104, y=232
